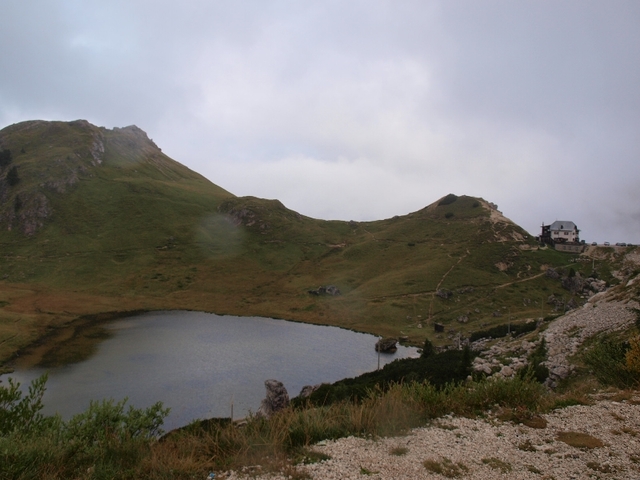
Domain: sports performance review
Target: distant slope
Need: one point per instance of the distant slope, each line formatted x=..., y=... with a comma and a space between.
x=101, y=199
x=102, y=220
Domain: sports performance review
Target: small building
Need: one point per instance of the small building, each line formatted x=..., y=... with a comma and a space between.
x=564, y=232
x=563, y=235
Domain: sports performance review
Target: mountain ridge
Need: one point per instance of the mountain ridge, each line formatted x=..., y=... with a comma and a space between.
x=104, y=215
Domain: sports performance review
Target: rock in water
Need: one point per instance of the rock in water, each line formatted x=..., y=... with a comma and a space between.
x=386, y=345
x=277, y=399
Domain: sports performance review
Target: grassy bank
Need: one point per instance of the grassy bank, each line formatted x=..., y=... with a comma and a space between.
x=109, y=441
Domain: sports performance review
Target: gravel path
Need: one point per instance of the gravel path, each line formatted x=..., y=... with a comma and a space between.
x=489, y=449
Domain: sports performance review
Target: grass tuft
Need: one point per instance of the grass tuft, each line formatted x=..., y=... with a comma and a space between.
x=399, y=451
x=497, y=464
x=445, y=467
x=580, y=440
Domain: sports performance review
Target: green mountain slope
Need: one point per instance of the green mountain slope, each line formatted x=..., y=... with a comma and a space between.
x=93, y=220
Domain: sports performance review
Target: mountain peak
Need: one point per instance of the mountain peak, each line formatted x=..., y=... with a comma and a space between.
x=46, y=159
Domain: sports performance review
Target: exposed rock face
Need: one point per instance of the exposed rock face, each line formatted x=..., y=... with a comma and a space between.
x=387, y=345
x=307, y=390
x=277, y=399
x=52, y=158
x=328, y=290
x=66, y=152
x=257, y=214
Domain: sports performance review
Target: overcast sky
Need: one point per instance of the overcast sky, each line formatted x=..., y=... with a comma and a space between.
x=356, y=110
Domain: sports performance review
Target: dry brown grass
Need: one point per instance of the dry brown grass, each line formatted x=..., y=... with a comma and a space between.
x=445, y=467
x=579, y=440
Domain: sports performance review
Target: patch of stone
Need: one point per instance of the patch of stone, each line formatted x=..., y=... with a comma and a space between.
x=331, y=290
x=504, y=357
x=565, y=334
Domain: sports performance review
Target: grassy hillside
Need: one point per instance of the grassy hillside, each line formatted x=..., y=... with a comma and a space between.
x=95, y=220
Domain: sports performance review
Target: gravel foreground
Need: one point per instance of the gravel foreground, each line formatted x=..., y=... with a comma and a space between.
x=489, y=449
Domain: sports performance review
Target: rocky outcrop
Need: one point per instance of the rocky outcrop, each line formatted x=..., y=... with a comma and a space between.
x=503, y=359
x=328, y=290
x=307, y=390
x=277, y=399
x=66, y=152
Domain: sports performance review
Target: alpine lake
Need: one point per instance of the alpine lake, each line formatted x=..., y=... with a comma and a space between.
x=201, y=365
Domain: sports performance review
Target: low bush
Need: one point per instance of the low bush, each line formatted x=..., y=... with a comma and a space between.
x=105, y=440
x=448, y=200
x=5, y=157
x=607, y=359
x=632, y=358
x=536, y=368
x=21, y=413
x=450, y=366
x=503, y=330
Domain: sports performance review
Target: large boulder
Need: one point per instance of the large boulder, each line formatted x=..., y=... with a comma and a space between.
x=277, y=399
x=443, y=293
x=327, y=290
x=387, y=345
x=573, y=283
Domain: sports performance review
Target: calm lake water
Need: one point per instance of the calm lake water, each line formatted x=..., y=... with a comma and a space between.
x=198, y=364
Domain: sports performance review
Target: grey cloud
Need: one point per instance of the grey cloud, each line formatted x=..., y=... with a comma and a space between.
x=362, y=109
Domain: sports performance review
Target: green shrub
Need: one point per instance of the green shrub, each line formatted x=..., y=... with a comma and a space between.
x=637, y=313
x=18, y=412
x=105, y=440
x=439, y=369
x=427, y=349
x=504, y=329
x=448, y=200
x=536, y=368
x=12, y=176
x=5, y=157
x=607, y=361
x=107, y=421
